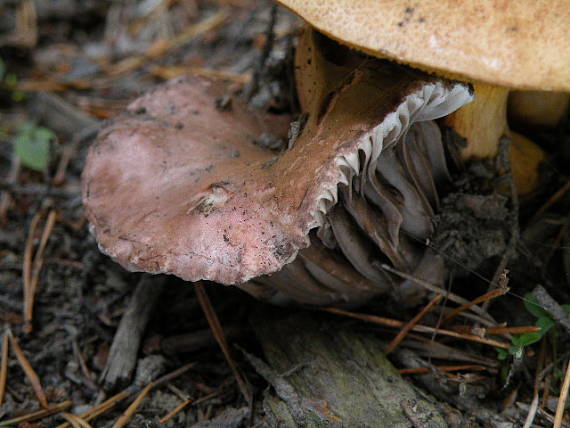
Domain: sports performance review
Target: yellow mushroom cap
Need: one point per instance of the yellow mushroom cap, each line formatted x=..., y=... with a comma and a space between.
x=519, y=44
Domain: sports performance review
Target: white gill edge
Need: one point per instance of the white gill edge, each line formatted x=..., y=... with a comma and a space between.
x=431, y=101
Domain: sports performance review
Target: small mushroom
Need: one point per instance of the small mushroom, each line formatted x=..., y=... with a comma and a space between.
x=178, y=186
x=493, y=45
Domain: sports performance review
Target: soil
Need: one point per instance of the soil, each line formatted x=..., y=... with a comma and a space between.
x=76, y=65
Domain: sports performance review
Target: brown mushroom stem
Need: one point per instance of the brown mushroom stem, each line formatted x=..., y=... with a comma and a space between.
x=483, y=122
x=537, y=108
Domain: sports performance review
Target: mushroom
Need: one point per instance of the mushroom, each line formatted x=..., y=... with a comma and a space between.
x=178, y=186
x=493, y=45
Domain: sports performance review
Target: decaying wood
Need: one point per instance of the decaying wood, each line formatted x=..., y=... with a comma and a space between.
x=325, y=373
x=123, y=354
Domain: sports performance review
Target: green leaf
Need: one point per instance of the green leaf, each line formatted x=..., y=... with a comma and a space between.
x=32, y=145
x=525, y=339
x=2, y=70
x=532, y=305
x=566, y=308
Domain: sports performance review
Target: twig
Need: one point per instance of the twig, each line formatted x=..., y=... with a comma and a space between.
x=37, y=414
x=482, y=331
x=123, y=353
x=103, y=407
x=419, y=328
x=174, y=411
x=128, y=414
x=562, y=399
x=3, y=367
x=435, y=289
x=406, y=329
x=481, y=299
x=470, y=316
x=29, y=371
x=218, y=332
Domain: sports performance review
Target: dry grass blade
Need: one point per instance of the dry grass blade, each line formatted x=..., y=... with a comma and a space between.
x=218, y=333
x=3, y=367
x=29, y=371
x=423, y=370
x=418, y=328
x=37, y=414
x=174, y=412
x=35, y=271
x=128, y=414
x=481, y=299
x=406, y=329
x=102, y=408
x=562, y=399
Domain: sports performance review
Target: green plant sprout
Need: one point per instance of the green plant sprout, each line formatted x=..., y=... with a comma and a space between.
x=544, y=320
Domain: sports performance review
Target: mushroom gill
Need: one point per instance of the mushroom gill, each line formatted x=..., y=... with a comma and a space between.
x=178, y=186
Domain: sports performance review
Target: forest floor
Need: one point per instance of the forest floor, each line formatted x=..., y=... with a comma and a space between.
x=66, y=67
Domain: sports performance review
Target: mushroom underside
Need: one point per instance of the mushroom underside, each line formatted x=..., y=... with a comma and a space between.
x=313, y=223
x=382, y=215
